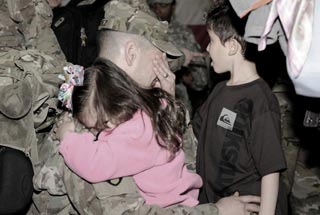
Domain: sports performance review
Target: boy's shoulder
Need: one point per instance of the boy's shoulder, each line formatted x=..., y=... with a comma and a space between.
x=265, y=95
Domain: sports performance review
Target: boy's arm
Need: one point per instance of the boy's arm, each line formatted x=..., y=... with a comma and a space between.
x=269, y=193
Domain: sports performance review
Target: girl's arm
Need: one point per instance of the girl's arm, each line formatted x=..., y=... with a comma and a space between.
x=269, y=193
x=123, y=151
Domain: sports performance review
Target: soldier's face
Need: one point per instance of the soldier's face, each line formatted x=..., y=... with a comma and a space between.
x=144, y=74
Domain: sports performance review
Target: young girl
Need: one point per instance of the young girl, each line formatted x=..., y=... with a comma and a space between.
x=134, y=132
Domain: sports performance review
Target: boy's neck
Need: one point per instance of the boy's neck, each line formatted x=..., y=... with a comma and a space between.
x=242, y=72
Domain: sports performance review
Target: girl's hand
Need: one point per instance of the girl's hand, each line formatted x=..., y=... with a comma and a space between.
x=66, y=125
x=165, y=76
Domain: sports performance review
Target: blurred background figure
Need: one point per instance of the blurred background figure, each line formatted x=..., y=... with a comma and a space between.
x=192, y=80
x=75, y=24
x=192, y=13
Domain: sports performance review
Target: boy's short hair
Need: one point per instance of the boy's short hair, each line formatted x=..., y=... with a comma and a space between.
x=225, y=23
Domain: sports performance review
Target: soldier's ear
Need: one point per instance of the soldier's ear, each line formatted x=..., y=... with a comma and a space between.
x=233, y=46
x=130, y=52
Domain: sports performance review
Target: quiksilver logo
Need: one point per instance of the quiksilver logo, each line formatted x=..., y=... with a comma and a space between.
x=226, y=119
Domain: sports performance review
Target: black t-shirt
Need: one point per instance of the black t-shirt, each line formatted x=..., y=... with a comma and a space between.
x=238, y=129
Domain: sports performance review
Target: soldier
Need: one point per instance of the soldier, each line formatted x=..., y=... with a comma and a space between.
x=194, y=75
x=30, y=61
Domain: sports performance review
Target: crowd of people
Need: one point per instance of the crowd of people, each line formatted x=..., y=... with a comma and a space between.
x=140, y=128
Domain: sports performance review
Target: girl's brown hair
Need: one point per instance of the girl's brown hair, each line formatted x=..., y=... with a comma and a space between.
x=109, y=92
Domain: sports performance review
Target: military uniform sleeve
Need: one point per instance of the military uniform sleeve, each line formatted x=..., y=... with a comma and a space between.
x=178, y=209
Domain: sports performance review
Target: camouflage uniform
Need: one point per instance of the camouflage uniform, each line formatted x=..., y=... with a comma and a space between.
x=182, y=37
x=305, y=198
x=60, y=191
x=30, y=63
x=140, y=4
x=302, y=181
x=29, y=68
x=289, y=138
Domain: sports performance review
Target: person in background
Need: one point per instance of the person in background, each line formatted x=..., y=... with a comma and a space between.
x=193, y=78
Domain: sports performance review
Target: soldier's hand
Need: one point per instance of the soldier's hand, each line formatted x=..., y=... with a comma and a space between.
x=240, y=205
x=64, y=126
x=166, y=78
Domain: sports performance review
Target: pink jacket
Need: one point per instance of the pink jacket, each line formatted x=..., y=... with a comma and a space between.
x=131, y=149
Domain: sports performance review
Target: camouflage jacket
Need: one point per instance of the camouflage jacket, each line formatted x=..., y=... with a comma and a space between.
x=182, y=37
x=29, y=84
x=31, y=61
x=140, y=4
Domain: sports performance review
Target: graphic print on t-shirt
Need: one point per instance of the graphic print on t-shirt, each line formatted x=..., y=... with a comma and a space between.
x=226, y=119
x=233, y=146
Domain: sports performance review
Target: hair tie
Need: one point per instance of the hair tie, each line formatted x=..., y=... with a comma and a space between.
x=73, y=76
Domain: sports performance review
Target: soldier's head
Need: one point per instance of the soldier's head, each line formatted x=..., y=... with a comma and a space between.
x=164, y=9
x=131, y=39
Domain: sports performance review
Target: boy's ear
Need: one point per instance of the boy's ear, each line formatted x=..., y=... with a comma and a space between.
x=130, y=52
x=233, y=46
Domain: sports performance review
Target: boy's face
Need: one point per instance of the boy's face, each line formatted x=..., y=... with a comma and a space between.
x=219, y=53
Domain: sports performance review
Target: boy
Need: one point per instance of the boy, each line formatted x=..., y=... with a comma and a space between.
x=238, y=127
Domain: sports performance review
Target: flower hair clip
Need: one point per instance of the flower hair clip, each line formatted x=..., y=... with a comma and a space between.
x=73, y=76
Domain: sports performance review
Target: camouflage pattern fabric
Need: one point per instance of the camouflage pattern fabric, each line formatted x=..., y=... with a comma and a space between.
x=289, y=139
x=25, y=30
x=34, y=18
x=182, y=95
x=302, y=180
x=182, y=37
x=125, y=18
x=140, y=4
x=30, y=83
x=9, y=34
x=305, y=198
